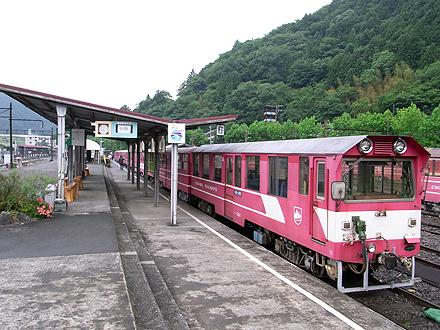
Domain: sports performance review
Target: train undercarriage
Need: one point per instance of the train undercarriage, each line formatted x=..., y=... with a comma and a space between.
x=387, y=271
x=431, y=208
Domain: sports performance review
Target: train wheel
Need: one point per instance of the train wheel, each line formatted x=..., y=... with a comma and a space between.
x=283, y=250
x=210, y=210
x=318, y=271
x=296, y=255
x=183, y=196
x=201, y=205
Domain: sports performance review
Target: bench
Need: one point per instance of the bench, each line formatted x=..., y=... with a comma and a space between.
x=86, y=171
x=78, y=180
x=71, y=191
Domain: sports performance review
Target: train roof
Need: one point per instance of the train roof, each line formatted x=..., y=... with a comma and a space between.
x=325, y=146
x=435, y=152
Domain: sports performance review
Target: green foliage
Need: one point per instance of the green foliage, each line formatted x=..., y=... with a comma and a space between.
x=430, y=128
x=21, y=193
x=409, y=121
x=308, y=128
x=236, y=133
x=351, y=56
x=196, y=137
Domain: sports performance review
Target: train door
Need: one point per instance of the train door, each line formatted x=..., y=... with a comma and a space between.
x=229, y=189
x=319, y=200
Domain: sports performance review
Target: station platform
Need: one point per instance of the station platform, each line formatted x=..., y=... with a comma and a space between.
x=113, y=261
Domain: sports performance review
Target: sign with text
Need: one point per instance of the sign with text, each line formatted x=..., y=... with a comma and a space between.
x=176, y=133
x=77, y=137
x=220, y=129
x=116, y=129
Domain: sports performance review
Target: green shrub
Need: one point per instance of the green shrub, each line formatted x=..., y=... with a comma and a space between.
x=24, y=193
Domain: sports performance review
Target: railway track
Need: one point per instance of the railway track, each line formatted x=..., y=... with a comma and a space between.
x=402, y=306
x=405, y=306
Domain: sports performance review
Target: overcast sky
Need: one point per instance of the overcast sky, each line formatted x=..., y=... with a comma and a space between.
x=117, y=52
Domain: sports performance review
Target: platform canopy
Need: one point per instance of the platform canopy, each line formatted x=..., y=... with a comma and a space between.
x=82, y=115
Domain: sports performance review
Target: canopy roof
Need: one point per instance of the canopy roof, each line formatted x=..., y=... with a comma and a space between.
x=82, y=114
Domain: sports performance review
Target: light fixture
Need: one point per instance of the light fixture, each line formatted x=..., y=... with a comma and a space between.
x=399, y=146
x=365, y=146
x=412, y=222
x=371, y=247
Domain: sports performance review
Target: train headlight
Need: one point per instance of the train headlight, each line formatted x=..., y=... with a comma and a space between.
x=371, y=247
x=365, y=146
x=399, y=146
x=412, y=222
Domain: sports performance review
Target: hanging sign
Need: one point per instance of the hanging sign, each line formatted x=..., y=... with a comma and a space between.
x=176, y=133
x=116, y=129
x=220, y=129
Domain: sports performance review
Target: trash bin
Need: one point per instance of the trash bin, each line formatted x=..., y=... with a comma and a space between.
x=51, y=193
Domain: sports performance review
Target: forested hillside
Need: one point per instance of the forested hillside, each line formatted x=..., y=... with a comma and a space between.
x=351, y=56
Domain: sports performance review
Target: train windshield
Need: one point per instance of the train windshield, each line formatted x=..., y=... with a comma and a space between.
x=378, y=179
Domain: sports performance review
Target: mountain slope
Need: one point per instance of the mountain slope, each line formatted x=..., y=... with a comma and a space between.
x=317, y=65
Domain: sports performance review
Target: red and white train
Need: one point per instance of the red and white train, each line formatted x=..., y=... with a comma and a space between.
x=347, y=207
x=431, y=198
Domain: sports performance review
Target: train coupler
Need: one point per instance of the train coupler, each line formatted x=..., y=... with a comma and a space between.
x=389, y=260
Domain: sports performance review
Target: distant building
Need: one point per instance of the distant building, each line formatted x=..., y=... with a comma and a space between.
x=25, y=139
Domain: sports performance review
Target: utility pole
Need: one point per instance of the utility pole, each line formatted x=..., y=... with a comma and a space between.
x=51, y=146
x=10, y=131
x=10, y=136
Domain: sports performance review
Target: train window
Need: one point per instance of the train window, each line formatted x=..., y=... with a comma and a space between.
x=253, y=172
x=185, y=162
x=435, y=168
x=238, y=171
x=218, y=168
x=205, y=166
x=179, y=163
x=278, y=176
x=196, y=165
x=378, y=179
x=303, y=175
x=229, y=170
x=320, y=180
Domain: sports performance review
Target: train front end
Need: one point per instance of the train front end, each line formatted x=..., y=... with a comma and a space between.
x=376, y=213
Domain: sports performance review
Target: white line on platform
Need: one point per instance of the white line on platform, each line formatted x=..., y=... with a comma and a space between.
x=128, y=253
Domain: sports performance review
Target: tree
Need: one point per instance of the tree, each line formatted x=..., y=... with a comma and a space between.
x=236, y=133
x=409, y=121
x=258, y=132
x=431, y=130
x=125, y=107
x=196, y=137
x=308, y=128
